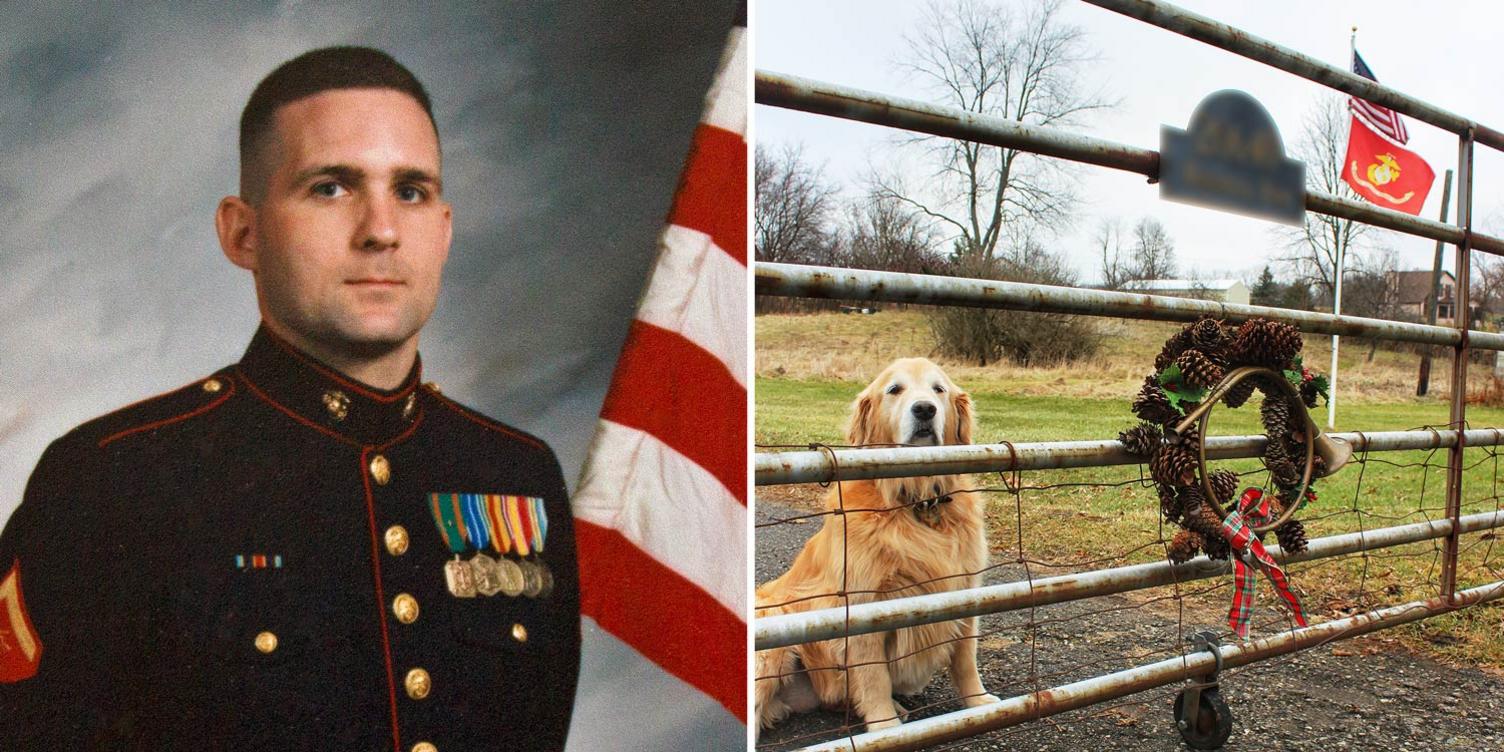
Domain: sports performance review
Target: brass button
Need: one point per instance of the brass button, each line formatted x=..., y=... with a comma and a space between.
x=417, y=684
x=337, y=404
x=406, y=608
x=519, y=633
x=424, y=747
x=410, y=407
x=266, y=642
x=381, y=470
x=396, y=540
x=213, y=385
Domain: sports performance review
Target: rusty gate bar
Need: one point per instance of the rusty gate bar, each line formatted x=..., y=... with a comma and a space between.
x=825, y=98
x=1239, y=42
x=883, y=615
x=1463, y=316
x=823, y=466
x=799, y=280
x=962, y=724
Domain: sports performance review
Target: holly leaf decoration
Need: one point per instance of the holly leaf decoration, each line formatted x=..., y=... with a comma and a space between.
x=1293, y=377
x=1177, y=389
x=1322, y=387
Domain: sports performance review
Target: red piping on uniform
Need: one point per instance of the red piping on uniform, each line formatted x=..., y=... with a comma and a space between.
x=168, y=421
x=336, y=376
x=291, y=413
x=386, y=641
x=483, y=423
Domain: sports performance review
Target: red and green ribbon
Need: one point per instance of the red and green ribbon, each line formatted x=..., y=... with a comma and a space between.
x=1249, y=553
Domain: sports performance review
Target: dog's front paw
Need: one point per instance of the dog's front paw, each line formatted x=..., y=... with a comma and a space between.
x=880, y=725
x=980, y=700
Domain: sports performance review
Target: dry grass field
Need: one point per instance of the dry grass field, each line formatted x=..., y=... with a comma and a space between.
x=809, y=367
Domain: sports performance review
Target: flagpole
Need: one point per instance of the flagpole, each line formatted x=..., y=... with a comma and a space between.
x=1331, y=402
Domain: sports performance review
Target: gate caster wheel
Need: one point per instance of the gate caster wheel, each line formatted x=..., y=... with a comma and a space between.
x=1211, y=724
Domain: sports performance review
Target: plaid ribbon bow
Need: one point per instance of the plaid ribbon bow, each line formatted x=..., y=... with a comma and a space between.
x=1248, y=552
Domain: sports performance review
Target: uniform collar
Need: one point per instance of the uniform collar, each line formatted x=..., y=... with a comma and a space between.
x=316, y=393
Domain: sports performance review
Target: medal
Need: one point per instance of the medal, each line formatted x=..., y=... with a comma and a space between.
x=487, y=581
x=512, y=581
x=532, y=579
x=459, y=577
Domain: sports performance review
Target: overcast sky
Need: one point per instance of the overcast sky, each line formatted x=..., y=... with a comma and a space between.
x=1443, y=52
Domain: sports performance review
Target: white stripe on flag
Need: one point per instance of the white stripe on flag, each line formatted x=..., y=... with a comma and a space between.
x=700, y=292
x=669, y=507
x=728, y=95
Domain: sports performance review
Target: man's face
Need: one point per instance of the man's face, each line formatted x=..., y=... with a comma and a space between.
x=352, y=233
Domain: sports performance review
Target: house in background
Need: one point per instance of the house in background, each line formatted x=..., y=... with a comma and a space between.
x=1411, y=290
x=1220, y=290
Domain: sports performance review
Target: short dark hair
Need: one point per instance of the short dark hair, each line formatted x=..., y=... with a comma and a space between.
x=310, y=73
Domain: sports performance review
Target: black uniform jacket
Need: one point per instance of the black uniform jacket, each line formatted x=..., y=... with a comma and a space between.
x=254, y=562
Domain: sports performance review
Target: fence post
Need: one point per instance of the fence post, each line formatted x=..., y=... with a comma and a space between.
x=1463, y=318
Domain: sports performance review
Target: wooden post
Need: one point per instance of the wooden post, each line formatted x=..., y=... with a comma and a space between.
x=1432, y=300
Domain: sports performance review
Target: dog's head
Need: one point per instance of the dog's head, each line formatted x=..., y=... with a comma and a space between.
x=911, y=402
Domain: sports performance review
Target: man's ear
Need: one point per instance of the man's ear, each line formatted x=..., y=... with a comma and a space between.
x=235, y=222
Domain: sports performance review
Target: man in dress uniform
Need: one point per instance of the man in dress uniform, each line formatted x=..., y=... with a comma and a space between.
x=308, y=549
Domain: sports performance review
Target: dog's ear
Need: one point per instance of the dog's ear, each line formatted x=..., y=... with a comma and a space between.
x=961, y=402
x=860, y=428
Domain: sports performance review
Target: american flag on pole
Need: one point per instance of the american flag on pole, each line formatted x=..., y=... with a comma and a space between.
x=1381, y=119
x=661, y=510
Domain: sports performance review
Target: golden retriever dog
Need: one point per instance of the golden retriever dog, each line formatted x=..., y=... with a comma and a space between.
x=902, y=537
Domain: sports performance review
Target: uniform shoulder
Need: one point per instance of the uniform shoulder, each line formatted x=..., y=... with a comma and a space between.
x=195, y=398
x=476, y=418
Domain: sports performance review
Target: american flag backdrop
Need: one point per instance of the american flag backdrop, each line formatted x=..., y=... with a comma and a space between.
x=1382, y=119
x=661, y=510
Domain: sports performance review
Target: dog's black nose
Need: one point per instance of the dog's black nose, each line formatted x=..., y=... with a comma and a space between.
x=923, y=410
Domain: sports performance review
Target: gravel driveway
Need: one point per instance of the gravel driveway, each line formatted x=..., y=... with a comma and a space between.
x=1361, y=694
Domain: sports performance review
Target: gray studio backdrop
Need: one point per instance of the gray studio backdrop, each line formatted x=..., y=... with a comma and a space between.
x=564, y=126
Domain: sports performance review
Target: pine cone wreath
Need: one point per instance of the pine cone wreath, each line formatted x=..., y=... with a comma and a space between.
x=1174, y=346
x=1184, y=546
x=1199, y=369
x=1308, y=392
x=1292, y=537
x=1169, y=503
x=1152, y=406
x=1142, y=439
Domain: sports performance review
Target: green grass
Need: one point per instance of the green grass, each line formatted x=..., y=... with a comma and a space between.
x=811, y=367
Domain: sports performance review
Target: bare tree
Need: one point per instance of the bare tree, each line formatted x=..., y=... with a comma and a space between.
x=1115, y=268
x=1315, y=247
x=1006, y=61
x=792, y=221
x=1153, y=251
x=883, y=233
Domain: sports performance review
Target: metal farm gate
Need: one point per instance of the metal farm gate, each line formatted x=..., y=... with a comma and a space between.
x=1445, y=533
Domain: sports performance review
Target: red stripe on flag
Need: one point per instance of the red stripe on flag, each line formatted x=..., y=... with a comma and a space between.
x=712, y=196
x=668, y=386
x=663, y=616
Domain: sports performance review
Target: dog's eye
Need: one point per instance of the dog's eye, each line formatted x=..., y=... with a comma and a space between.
x=939, y=389
x=895, y=389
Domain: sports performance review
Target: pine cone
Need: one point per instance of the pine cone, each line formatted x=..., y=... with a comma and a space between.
x=1225, y=484
x=1142, y=439
x=1199, y=369
x=1174, y=466
x=1204, y=522
x=1308, y=393
x=1240, y=392
x=1208, y=336
x=1169, y=503
x=1174, y=346
x=1267, y=343
x=1275, y=414
x=1184, y=546
x=1151, y=405
x=1292, y=537
x=1286, y=473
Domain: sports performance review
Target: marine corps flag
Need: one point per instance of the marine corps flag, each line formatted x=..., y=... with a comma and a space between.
x=1377, y=166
